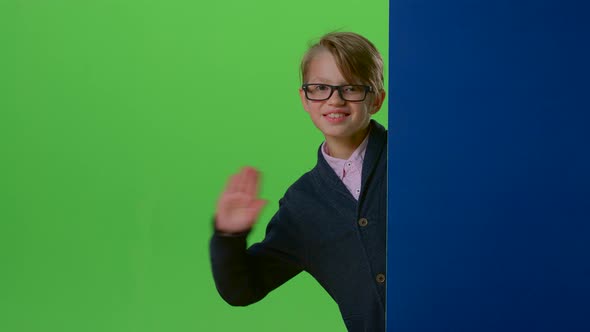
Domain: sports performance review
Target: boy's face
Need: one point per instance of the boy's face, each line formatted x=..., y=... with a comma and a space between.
x=355, y=115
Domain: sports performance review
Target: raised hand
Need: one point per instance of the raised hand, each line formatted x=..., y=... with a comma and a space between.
x=239, y=206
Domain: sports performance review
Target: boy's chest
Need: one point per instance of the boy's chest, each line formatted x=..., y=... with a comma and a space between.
x=346, y=247
x=343, y=237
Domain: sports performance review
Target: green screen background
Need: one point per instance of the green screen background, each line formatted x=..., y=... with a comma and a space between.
x=119, y=124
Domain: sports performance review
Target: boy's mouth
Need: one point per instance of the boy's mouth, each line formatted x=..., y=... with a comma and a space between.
x=336, y=115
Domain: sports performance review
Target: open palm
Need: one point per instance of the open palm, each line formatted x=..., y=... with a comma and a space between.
x=239, y=206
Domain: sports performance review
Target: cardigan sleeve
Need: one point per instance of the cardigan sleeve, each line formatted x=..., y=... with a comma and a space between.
x=246, y=275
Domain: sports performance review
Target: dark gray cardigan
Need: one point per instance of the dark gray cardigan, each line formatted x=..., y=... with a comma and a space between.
x=322, y=229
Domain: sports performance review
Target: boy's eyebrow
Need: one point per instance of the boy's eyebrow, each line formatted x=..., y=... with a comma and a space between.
x=327, y=81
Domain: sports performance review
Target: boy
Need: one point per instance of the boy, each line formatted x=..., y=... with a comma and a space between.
x=330, y=222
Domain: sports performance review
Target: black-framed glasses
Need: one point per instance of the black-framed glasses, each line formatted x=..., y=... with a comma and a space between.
x=319, y=92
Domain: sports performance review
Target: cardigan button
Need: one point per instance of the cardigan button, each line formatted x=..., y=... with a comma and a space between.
x=363, y=222
x=380, y=278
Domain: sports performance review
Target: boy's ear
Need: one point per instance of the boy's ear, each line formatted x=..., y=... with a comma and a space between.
x=377, y=101
x=304, y=100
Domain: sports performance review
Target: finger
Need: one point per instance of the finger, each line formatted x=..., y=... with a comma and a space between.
x=251, y=187
x=241, y=180
x=232, y=183
x=244, y=178
x=257, y=208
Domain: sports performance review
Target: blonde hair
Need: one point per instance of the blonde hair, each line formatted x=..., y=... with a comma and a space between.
x=356, y=58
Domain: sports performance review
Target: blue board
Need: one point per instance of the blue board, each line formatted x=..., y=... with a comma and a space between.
x=489, y=166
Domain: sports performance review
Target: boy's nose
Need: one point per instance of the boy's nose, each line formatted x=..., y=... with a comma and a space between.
x=335, y=98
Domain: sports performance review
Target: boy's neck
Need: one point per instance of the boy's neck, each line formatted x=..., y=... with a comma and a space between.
x=344, y=147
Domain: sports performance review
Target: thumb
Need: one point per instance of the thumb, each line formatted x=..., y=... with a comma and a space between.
x=257, y=206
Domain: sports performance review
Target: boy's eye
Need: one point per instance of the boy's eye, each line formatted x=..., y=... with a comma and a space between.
x=350, y=88
x=320, y=87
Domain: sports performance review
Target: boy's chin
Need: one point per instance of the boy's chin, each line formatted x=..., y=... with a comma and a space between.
x=341, y=134
x=342, y=131
x=346, y=133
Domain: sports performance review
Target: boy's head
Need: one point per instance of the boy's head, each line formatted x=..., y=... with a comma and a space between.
x=356, y=57
x=342, y=87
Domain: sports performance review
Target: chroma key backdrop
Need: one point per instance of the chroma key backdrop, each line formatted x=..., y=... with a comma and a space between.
x=120, y=122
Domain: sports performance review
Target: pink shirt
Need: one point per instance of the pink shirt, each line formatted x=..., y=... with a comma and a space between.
x=350, y=170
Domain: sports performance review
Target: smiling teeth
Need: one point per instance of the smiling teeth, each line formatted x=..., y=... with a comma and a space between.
x=335, y=115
